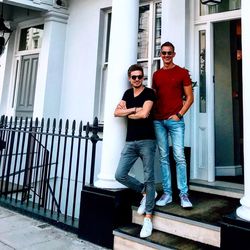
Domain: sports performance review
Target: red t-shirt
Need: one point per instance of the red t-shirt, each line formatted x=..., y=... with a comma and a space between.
x=168, y=84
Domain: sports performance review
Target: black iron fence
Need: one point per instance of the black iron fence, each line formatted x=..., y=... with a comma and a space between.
x=44, y=165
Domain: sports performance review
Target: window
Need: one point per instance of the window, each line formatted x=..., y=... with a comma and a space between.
x=202, y=69
x=31, y=38
x=149, y=49
x=225, y=5
x=148, y=52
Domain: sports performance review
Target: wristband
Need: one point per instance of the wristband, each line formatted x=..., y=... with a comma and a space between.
x=179, y=115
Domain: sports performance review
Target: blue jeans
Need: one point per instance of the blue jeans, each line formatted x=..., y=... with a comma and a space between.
x=176, y=129
x=144, y=149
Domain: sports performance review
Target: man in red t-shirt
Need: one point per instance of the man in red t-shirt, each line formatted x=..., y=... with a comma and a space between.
x=171, y=83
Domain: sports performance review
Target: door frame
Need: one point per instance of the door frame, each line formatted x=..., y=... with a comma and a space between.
x=203, y=160
x=16, y=63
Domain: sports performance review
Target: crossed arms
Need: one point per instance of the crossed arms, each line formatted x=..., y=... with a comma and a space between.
x=135, y=112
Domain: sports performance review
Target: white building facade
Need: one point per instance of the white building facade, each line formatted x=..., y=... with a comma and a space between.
x=68, y=59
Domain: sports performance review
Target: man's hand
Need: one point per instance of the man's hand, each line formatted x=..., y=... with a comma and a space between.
x=122, y=110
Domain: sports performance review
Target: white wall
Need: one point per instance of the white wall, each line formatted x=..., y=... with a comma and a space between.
x=78, y=89
x=6, y=83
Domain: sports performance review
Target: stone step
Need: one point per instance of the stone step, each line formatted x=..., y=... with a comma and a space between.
x=226, y=189
x=127, y=237
x=200, y=224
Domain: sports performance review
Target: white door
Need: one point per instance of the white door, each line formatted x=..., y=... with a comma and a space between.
x=27, y=85
x=204, y=94
x=218, y=133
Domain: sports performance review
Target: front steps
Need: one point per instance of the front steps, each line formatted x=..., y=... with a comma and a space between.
x=178, y=228
x=127, y=238
x=227, y=189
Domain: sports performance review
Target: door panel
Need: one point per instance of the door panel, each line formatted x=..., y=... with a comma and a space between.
x=203, y=160
x=27, y=86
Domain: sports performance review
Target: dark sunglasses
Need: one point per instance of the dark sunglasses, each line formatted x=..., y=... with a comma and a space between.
x=169, y=53
x=139, y=77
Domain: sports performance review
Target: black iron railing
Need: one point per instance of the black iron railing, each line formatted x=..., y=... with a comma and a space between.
x=44, y=165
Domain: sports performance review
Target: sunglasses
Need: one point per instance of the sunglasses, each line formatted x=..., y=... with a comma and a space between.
x=135, y=76
x=169, y=53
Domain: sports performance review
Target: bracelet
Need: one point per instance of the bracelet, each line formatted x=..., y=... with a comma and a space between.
x=135, y=110
x=179, y=115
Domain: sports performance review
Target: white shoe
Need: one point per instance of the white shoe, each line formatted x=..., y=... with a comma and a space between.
x=147, y=228
x=142, y=208
x=164, y=200
x=185, y=202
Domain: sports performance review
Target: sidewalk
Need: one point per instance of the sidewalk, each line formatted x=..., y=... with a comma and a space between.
x=21, y=232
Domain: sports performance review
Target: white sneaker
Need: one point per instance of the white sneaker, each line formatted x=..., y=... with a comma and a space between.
x=185, y=202
x=164, y=200
x=147, y=228
x=142, y=208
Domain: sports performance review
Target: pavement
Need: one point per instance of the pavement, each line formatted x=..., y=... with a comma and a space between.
x=20, y=232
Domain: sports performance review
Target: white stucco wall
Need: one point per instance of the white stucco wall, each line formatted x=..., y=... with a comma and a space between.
x=78, y=87
x=6, y=78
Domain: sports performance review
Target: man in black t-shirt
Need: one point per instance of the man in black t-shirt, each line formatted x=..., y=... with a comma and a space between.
x=136, y=105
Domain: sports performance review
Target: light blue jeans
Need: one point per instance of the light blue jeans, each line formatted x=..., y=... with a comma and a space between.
x=176, y=129
x=144, y=149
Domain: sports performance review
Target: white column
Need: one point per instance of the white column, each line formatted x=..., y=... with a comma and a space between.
x=50, y=68
x=244, y=211
x=174, y=27
x=122, y=53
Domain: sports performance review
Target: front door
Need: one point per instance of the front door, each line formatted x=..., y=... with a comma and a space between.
x=27, y=85
x=218, y=133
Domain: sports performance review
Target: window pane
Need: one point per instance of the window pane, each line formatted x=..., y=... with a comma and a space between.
x=31, y=38
x=144, y=65
x=225, y=5
x=108, y=37
x=157, y=44
x=143, y=29
x=156, y=65
x=202, y=66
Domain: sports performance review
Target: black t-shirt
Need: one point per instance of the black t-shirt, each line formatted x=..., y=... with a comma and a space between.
x=139, y=129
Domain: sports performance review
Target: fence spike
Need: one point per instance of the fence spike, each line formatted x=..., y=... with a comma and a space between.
x=87, y=129
x=42, y=124
x=31, y=122
x=95, y=122
x=48, y=124
x=80, y=128
x=36, y=122
x=15, y=122
x=21, y=123
x=67, y=125
x=26, y=122
x=73, y=127
x=95, y=127
x=2, y=120
x=54, y=125
x=60, y=125
x=6, y=121
x=10, y=122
